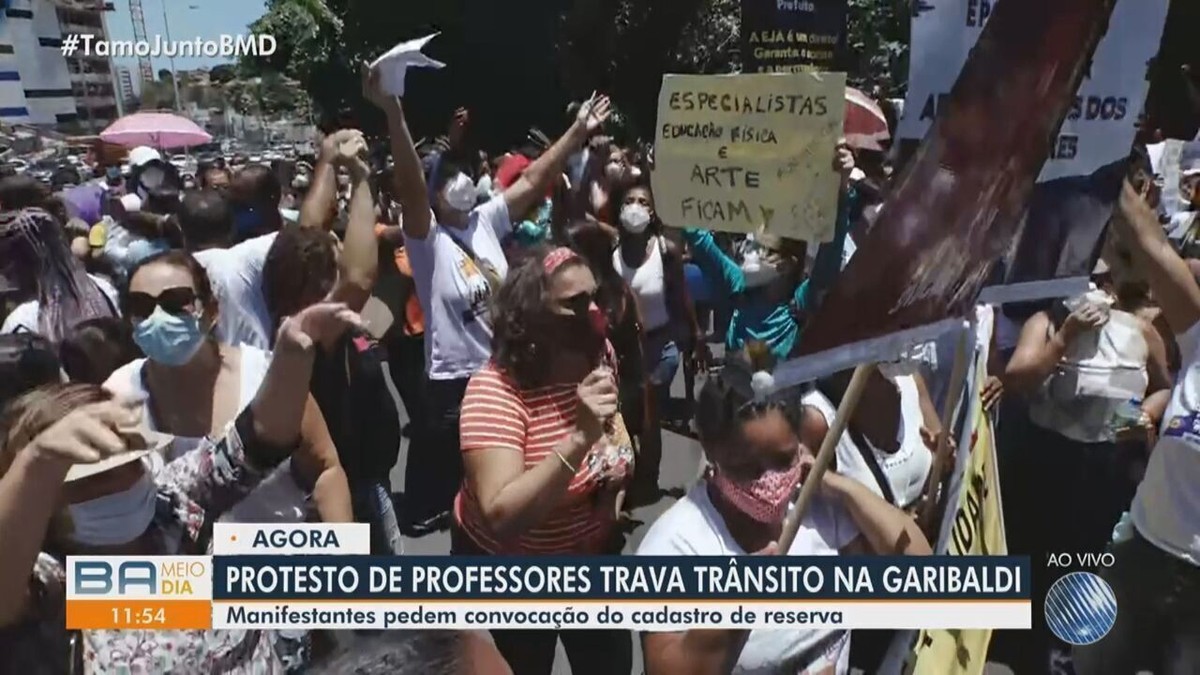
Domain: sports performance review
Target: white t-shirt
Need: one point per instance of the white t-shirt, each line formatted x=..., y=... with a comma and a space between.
x=1166, y=510
x=236, y=276
x=277, y=499
x=693, y=526
x=26, y=315
x=454, y=292
x=906, y=469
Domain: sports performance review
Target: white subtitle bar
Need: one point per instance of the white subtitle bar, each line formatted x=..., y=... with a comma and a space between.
x=637, y=616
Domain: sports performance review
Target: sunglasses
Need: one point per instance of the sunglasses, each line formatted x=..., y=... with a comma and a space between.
x=175, y=301
x=578, y=303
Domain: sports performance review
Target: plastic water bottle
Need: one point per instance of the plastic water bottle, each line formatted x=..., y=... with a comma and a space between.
x=1128, y=414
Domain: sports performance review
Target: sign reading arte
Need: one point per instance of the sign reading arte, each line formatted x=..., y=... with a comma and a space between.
x=790, y=36
x=749, y=153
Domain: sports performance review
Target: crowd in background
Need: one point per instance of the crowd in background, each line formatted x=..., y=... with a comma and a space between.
x=239, y=347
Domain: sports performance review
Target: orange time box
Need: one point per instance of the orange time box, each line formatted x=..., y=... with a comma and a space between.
x=122, y=614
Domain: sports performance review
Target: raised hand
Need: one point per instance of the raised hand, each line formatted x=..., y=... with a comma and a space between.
x=324, y=321
x=88, y=434
x=594, y=113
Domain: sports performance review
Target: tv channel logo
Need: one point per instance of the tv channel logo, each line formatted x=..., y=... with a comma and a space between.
x=139, y=577
x=1081, y=608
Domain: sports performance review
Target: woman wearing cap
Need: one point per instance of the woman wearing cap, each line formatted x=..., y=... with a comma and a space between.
x=194, y=385
x=71, y=483
x=770, y=301
x=458, y=263
x=759, y=444
x=545, y=448
x=55, y=292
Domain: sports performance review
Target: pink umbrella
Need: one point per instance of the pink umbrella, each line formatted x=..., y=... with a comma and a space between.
x=865, y=125
x=155, y=129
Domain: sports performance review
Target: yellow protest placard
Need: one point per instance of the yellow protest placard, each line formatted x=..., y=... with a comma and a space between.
x=744, y=153
x=978, y=529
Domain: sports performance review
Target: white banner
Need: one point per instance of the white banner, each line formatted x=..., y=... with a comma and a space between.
x=1097, y=132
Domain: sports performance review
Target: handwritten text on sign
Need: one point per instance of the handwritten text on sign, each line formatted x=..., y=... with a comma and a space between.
x=737, y=153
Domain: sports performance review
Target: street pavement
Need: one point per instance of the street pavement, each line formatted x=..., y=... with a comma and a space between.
x=681, y=462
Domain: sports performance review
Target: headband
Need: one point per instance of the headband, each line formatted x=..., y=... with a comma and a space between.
x=557, y=257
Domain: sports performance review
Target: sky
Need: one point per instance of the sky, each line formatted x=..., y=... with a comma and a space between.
x=209, y=20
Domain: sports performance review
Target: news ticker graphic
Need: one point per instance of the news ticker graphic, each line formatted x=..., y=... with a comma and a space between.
x=317, y=576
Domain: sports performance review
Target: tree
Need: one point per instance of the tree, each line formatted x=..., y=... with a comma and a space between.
x=517, y=64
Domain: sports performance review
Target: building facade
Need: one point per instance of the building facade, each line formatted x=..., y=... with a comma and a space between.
x=93, y=79
x=125, y=91
x=41, y=87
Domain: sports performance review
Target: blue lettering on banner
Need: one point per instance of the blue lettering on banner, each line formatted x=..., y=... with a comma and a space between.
x=1184, y=427
x=334, y=577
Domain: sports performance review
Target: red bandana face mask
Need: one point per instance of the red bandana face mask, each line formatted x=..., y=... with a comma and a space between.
x=764, y=499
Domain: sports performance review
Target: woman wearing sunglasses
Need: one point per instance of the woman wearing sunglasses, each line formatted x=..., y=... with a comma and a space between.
x=73, y=482
x=544, y=446
x=194, y=386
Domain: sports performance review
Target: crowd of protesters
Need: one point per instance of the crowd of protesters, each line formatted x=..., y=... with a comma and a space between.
x=174, y=354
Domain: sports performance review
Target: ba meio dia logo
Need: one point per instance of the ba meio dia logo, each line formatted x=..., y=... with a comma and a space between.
x=1081, y=608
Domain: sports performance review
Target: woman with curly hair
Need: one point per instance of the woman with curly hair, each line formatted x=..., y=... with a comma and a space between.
x=544, y=446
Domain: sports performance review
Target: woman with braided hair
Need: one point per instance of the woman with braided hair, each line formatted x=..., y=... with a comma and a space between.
x=760, y=446
x=54, y=291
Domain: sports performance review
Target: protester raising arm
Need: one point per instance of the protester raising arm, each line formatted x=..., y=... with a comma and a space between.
x=31, y=485
x=200, y=485
x=538, y=178
x=358, y=264
x=1041, y=346
x=410, y=187
x=318, y=207
x=1171, y=282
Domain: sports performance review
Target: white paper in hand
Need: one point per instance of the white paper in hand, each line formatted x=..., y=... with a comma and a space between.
x=396, y=61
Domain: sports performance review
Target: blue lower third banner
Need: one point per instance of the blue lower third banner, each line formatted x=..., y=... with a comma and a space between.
x=635, y=593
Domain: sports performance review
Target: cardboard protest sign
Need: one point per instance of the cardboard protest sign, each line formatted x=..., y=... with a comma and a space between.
x=1080, y=181
x=793, y=36
x=956, y=206
x=746, y=153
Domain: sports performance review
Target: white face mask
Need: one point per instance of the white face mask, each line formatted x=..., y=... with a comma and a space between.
x=758, y=272
x=115, y=519
x=635, y=218
x=460, y=193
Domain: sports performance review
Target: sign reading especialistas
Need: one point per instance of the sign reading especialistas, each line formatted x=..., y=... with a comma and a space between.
x=749, y=153
x=792, y=36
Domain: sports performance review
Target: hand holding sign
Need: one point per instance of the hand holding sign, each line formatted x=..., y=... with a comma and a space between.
x=750, y=153
x=394, y=65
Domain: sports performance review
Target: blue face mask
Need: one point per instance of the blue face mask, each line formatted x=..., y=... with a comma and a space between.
x=168, y=339
x=246, y=221
x=537, y=231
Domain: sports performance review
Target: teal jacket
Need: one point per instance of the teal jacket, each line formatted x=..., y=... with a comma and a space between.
x=753, y=318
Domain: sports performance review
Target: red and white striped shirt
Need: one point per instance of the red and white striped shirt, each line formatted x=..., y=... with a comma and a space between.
x=498, y=415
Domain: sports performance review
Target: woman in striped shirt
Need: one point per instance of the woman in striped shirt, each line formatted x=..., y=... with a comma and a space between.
x=546, y=452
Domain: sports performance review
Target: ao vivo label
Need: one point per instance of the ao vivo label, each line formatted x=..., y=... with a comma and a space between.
x=1082, y=560
x=139, y=577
